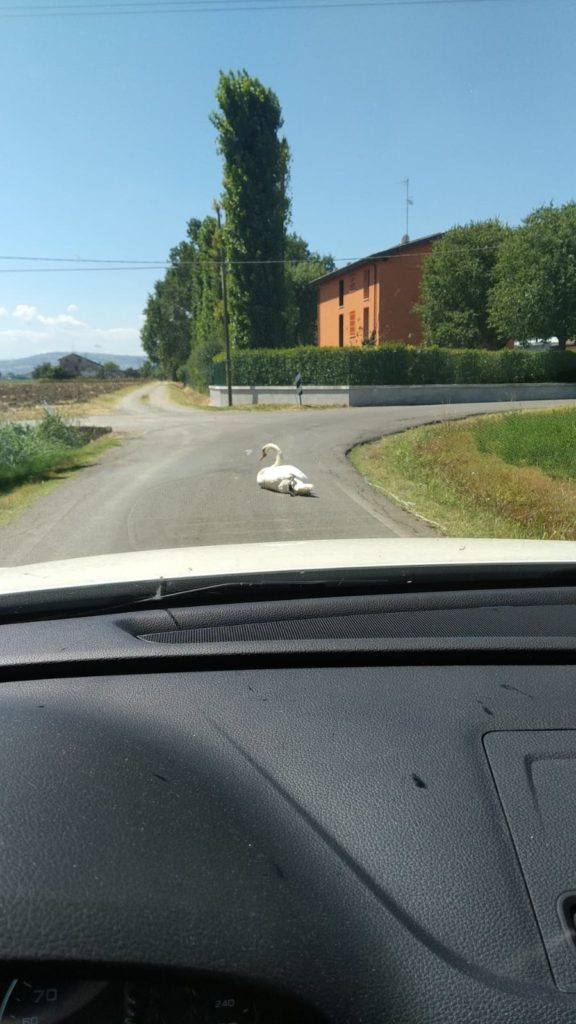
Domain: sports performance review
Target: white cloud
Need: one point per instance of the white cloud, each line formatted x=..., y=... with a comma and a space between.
x=35, y=332
x=62, y=319
x=3, y=311
x=23, y=312
x=30, y=314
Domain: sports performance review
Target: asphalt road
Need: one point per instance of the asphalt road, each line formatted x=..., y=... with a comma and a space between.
x=188, y=477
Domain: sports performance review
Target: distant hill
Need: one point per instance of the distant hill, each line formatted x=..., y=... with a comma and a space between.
x=22, y=367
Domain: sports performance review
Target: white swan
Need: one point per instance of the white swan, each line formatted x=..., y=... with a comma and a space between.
x=280, y=477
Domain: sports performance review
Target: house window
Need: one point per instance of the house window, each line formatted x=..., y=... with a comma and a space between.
x=366, y=324
x=341, y=292
x=352, y=323
x=367, y=283
x=341, y=330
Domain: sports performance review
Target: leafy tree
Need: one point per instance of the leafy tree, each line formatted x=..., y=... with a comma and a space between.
x=300, y=313
x=46, y=371
x=182, y=329
x=535, y=291
x=256, y=205
x=146, y=371
x=207, y=326
x=152, y=328
x=166, y=333
x=456, y=280
x=111, y=369
x=271, y=303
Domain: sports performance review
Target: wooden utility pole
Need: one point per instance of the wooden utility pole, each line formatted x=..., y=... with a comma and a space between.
x=216, y=207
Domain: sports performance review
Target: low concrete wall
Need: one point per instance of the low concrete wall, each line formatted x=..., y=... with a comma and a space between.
x=279, y=396
x=394, y=394
x=442, y=394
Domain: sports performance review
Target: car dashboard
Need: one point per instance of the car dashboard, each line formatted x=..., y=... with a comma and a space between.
x=356, y=808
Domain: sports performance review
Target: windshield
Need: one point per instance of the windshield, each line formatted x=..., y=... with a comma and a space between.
x=274, y=270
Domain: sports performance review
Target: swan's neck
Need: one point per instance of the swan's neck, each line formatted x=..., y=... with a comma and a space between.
x=279, y=456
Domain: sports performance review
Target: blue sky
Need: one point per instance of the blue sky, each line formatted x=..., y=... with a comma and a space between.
x=107, y=148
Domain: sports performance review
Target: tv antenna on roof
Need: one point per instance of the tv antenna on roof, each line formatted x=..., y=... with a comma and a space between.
x=409, y=202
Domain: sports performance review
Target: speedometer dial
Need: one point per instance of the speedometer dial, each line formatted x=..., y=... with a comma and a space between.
x=47, y=1002
x=57, y=999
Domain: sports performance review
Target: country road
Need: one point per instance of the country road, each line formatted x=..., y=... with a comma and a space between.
x=187, y=476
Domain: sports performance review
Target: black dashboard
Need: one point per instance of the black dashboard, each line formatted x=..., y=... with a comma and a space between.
x=339, y=809
x=62, y=995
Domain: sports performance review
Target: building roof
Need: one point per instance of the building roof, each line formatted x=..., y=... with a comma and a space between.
x=81, y=359
x=385, y=254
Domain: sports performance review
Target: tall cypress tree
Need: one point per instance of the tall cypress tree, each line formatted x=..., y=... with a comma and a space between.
x=256, y=205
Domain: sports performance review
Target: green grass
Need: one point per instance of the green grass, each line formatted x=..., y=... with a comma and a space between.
x=30, y=450
x=546, y=440
x=19, y=497
x=184, y=395
x=510, y=475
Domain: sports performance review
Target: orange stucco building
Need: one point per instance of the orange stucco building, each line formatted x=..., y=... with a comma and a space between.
x=374, y=297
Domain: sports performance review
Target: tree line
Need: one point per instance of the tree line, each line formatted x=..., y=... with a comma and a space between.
x=269, y=268
x=485, y=284
x=53, y=371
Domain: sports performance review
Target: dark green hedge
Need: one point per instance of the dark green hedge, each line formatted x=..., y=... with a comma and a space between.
x=280, y=366
x=396, y=364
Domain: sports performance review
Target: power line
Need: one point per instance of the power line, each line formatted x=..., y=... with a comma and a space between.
x=159, y=264
x=71, y=270
x=160, y=5
x=79, y=259
x=120, y=6
x=131, y=9
x=129, y=265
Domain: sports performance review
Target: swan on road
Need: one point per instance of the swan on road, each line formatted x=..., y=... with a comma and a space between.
x=281, y=477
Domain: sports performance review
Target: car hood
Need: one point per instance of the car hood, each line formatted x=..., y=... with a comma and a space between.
x=235, y=561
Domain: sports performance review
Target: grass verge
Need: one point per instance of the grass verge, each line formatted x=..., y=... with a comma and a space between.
x=509, y=475
x=16, y=497
x=183, y=395
x=28, y=450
